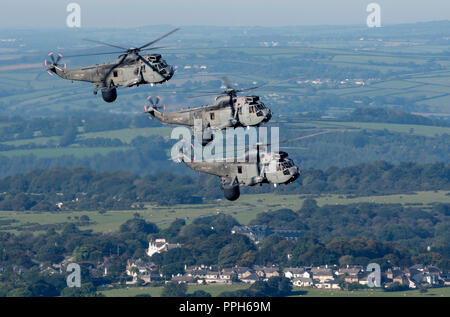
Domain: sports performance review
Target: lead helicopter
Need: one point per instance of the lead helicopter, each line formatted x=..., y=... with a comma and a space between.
x=228, y=111
x=258, y=166
x=129, y=69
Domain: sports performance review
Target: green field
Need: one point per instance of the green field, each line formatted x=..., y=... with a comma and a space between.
x=124, y=135
x=54, y=95
x=215, y=290
x=244, y=210
x=428, y=131
x=127, y=135
x=56, y=152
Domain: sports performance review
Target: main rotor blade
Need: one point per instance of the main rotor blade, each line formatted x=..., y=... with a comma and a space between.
x=155, y=48
x=107, y=44
x=251, y=88
x=158, y=39
x=227, y=82
x=93, y=54
x=264, y=145
x=307, y=136
x=206, y=95
x=115, y=66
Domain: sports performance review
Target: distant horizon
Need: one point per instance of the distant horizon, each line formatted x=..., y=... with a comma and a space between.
x=233, y=13
x=218, y=26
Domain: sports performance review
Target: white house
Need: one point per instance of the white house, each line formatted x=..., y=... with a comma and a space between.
x=303, y=282
x=328, y=284
x=160, y=245
x=295, y=272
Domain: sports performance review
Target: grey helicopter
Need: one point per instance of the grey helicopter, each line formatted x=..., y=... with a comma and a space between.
x=130, y=69
x=228, y=111
x=258, y=166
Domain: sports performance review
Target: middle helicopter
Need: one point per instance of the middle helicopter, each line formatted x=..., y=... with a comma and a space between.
x=228, y=111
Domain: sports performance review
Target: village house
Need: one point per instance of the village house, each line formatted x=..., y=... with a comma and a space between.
x=363, y=278
x=419, y=274
x=226, y=274
x=397, y=276
x=141, y=270
x=208, y=274
x=350, y=273
x=243, y=272
x=296, y=272
x=180, y=279
x=322, y=273
x=445, y=278
x=250, y=279
x=328, y=284
x=302, y=282
x=267, y=272
x=160, y=245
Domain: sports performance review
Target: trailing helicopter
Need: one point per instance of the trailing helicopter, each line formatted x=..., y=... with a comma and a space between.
x=128, y=70
x=228, y=111
x=256, y=167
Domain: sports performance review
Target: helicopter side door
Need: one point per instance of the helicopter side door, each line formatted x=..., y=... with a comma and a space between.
x=117, y=77
x=148, y=74
x=247, y=173
x=219, y=118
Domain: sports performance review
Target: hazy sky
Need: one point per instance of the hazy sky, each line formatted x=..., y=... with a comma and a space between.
x=129, y=13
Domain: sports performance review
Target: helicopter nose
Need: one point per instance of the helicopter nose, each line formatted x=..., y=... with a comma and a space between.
x=268, y=115
x=170, y=71
x=296, y=172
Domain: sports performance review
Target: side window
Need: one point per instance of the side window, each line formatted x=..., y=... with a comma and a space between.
x=211, y=115
x=115, y=74
x=239, y=169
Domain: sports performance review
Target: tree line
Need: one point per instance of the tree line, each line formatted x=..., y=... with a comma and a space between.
x=87, y=189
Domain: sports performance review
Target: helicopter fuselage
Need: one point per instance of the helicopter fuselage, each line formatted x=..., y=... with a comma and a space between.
x=270, y=168
x=225, y=113
x=131, y=72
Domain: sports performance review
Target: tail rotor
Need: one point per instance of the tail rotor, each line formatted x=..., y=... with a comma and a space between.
x=155, y=103
x=153, y=106
x=54, y=63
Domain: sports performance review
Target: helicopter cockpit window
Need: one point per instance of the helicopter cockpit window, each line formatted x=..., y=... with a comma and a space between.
x=287, y=164
x=251, y=109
